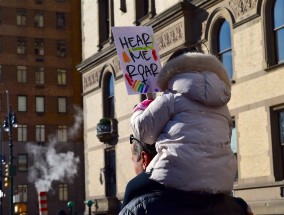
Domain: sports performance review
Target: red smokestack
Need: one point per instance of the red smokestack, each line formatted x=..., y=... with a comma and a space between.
x=42, y=201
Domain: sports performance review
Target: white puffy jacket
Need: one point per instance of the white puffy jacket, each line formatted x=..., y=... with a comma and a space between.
x=191, y=126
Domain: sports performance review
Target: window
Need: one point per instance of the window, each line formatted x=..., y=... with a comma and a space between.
x=39, y=19
x=38, y=1
x=21, y=46
x=109, y=96
x=277, y=135
x=63, y=192
x=141, y=9
x=123, y=5
x=0, y=73
x=106, y=20
x=225, y=48
x=61, y=76
x=110, y=172
x=39, y=47
x=62, y=105
x=22, y=162
x=234, y=144
x=62, y=133
x=40, y=133
x=60, y=20
x=0, y=102
x=61, y=48
x=22, y=133
x=21, y=17
x=39, y=104
x=110, y=164
x=279, y=29
x=0, y=44
x=22, y=103
x=39, y=76
x=22, y=190
x=22, y=74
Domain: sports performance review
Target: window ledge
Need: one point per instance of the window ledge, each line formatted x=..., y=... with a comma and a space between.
x=273, y=67
x=257, y=185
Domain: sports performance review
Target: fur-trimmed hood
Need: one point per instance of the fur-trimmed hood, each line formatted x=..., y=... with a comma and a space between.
x=192, y=62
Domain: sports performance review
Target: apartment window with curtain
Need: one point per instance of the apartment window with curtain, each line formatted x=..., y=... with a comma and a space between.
x=40, y=133
x=22, y=103
x=21, y=17
x=63, y=192
x=62, y=104
x=0, y=43
x=22, y=191
x=61, y=77
x=0, y=102
x=38, y=1
x=22, y=162
x=62, y=133
x=225, y=47
x=39, y=75
x=21, y=46
x=279, y=30
x=60, y=20
x=39, y=20
x=39, y=47
x=40, y=103
x=61, y=48
x=22, y=74
x=277, y=135
x=22, y=133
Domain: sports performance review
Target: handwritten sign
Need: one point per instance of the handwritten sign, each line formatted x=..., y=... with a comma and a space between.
x=139, y=59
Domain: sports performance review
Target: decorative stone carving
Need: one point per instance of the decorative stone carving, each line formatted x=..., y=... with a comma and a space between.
x=204, y=25
x=170, y=37
x=242, y=7
x=91, y=80
x=117, y=68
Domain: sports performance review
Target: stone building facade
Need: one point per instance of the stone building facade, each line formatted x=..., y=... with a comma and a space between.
x=247, y=37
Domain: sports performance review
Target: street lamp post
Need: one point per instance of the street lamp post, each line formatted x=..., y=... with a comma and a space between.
x=10, y=122
x=89, y=203
x=70, y=205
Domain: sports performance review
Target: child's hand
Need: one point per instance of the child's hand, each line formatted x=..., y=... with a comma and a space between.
x=143, y=105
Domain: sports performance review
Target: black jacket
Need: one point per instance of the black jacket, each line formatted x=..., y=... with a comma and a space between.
x=173, y=202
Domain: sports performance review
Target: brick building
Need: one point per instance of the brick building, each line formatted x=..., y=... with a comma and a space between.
x=246, y=35
x=40, y=45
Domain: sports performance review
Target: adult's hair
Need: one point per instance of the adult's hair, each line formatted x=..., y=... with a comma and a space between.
x=138, y=148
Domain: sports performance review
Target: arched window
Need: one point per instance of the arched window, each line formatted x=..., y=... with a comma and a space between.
x=225, y=47
x=279, y=29
x=110, y=162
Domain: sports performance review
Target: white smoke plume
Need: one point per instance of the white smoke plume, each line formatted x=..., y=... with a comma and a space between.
x=51, y=166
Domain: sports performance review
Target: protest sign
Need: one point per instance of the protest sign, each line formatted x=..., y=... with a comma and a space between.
x=139, y=58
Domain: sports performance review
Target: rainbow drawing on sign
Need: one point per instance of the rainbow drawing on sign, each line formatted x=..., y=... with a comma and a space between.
x=137, y=85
